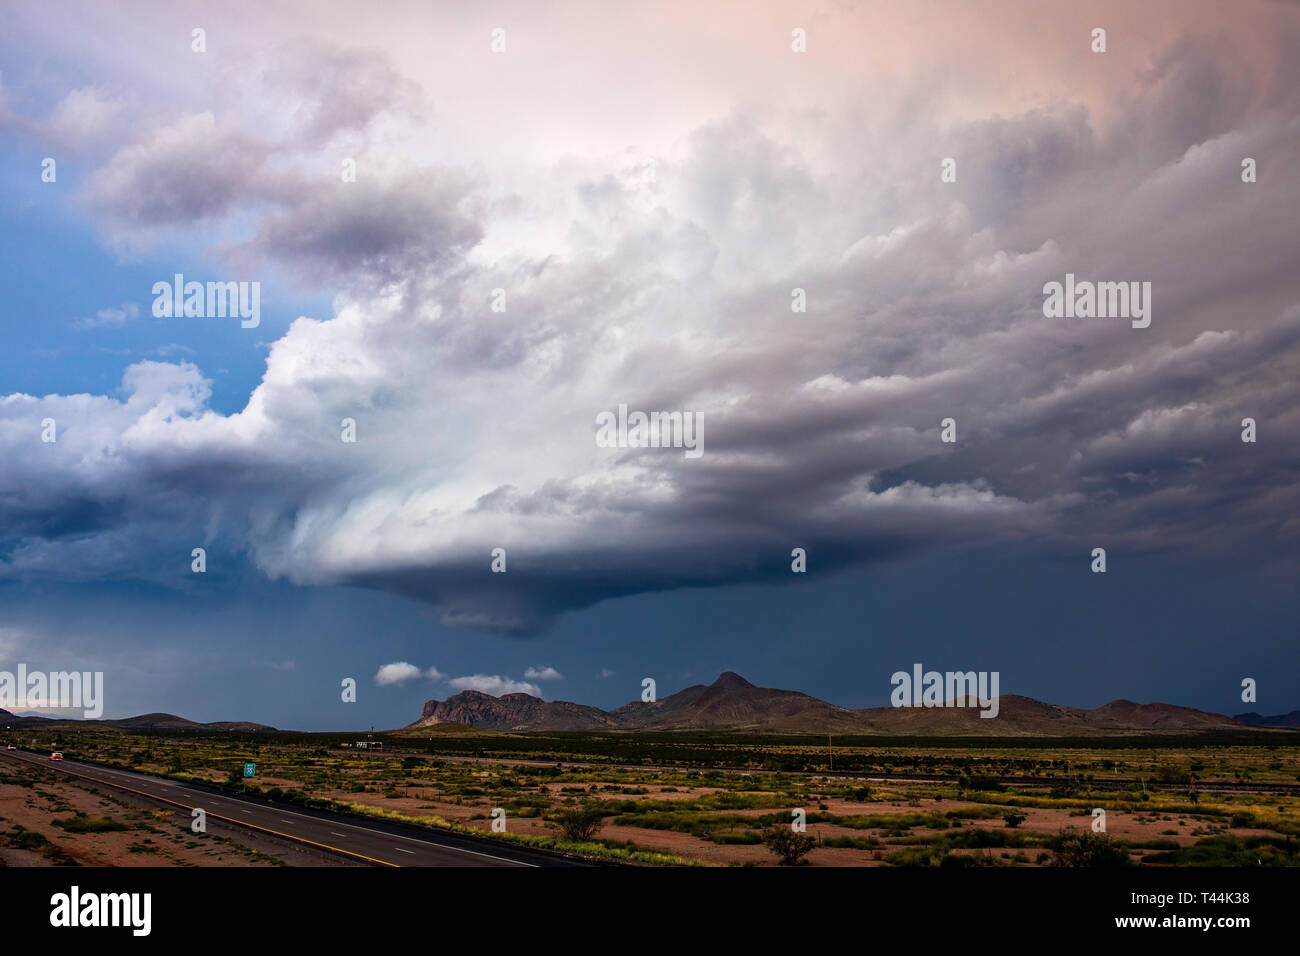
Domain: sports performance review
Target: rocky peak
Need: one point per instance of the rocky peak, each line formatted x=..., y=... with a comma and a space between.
x=730, y=680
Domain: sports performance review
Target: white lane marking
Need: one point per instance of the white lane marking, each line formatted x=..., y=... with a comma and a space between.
x=343, y=835
x=397, y=836
x=290, y=822
x=400, y=850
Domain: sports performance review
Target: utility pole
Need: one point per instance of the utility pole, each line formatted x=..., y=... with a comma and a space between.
x=831, y=751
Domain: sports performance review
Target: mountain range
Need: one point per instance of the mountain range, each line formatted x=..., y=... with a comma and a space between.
x=144, y=722
x=1278, y=720
x=732, y=703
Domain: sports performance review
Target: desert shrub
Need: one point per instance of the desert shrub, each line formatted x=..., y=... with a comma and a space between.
x=914, y=856
x=1172, y=773
x=578, y=823
x=26, y=839
x=1088, y=849
x=1229, y=850
x=89, y=825
x=852, y=843
x=979, y=838
x=1014, y=819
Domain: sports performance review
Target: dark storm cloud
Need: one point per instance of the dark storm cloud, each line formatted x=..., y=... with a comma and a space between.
x=672, y=292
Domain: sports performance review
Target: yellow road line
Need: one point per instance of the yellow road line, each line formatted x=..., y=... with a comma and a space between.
x=242, y=823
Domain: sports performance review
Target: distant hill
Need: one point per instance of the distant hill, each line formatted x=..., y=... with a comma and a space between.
x=172, y=722
x=1279, y=720
x=144, y=722
x=732, y=703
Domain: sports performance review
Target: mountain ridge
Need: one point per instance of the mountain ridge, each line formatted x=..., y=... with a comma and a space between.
x=733, y=703
x=152, y=721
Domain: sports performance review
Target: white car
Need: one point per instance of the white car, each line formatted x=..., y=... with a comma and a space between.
x=56, y=756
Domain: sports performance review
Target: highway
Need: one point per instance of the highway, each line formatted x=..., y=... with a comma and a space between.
x=378, y=842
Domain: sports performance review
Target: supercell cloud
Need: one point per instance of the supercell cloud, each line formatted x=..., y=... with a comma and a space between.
x=660, y=275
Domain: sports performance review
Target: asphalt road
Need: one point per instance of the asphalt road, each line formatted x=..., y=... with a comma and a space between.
x=377, y=843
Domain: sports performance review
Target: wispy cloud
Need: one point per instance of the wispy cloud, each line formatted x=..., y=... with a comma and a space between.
x=111, y=317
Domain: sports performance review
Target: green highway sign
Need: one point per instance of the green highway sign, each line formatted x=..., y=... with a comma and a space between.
x=250, y=769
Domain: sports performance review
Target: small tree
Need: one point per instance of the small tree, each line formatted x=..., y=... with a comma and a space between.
x=578, y=823
x=1014, y=819
x=787, y=844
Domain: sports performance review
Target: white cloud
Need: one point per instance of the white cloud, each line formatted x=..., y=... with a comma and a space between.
x=111, y=317
x=495, y=685
x=543, y=673
x=83, y=116
x=396, y=673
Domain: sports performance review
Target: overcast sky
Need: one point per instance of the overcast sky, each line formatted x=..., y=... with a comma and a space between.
x=640, y=189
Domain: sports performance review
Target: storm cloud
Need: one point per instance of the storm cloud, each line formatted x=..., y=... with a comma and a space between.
x=663, y=279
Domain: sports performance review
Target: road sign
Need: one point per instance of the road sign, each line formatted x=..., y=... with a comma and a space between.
x=250, y=770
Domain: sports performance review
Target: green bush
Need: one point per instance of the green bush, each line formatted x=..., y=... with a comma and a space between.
x=852, y=843
x=578, y=823
x=1229, y=850
x=1089, y=849
x=27, y=840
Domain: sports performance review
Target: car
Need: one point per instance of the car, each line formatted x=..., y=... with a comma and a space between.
x=56, y=756
x=11, y=747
